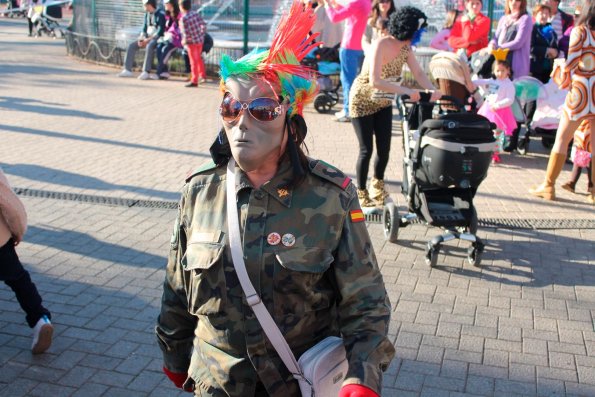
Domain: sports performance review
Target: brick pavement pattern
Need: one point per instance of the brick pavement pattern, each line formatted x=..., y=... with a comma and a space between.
x=522, y=324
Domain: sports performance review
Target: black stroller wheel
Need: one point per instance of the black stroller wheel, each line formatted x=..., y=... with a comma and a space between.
x=474, y=254
x=323, y=103
x=432, y=252
x=334, y=97
x=390, y=220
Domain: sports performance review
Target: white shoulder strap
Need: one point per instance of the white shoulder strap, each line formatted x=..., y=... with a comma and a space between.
x=262, y=314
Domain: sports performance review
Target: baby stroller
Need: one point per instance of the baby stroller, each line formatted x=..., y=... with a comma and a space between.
x=325, y=60
x=546, y=117
x=445, y=160
x=47, y=17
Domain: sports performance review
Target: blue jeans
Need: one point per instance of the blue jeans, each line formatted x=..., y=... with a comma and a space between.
x=350, y=63
x=164, y=51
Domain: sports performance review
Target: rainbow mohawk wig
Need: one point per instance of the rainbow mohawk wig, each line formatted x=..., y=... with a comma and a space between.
x=280, y=65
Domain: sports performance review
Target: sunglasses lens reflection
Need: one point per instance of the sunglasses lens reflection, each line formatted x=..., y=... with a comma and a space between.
x=262, y=109
x=230, y=108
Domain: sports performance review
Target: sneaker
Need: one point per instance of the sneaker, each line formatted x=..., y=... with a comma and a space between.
x=125, y=73
x=364, y=198
x=344, y=119
x=377, y=191
x=496, y=158
x=164, y=76
x=42, y=335
x=189, y=85
x=340, y=114
x=153, y=76
x=144, y=76
x=202, y=80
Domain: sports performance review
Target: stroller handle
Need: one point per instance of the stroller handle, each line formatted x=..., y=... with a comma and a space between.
x=425, y=101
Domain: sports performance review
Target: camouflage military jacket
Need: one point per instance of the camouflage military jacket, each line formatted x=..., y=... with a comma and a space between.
x=309, y=256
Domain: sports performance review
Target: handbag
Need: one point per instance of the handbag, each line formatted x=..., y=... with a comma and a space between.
x=207, y=43
x=481, y=64
x=321, y=369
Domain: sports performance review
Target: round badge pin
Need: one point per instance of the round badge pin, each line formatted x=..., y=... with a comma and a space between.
x=274, y=238
x=288, y=240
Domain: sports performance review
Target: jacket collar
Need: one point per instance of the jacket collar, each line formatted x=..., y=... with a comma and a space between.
x=278, y=187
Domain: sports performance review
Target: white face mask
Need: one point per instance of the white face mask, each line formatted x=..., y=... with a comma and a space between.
x=254, y=144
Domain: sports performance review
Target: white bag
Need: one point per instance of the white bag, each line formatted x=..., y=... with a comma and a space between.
x=324, y=366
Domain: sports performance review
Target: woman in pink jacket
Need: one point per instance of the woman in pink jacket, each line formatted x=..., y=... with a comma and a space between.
x=13, y=224
x=355, y=14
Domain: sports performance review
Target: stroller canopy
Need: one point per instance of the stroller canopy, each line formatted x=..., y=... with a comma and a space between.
x=448, y=66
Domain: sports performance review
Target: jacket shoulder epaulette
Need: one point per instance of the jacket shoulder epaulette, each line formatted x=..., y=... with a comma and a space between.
x=329, y=173
x=210, y=165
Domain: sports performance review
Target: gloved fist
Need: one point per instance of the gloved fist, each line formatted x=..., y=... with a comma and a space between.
x=355, y=390
x=177, y=378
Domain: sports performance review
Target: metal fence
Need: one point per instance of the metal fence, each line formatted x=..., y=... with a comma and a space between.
x=102, y=29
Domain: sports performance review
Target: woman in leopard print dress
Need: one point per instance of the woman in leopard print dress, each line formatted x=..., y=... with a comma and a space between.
x=371, y=113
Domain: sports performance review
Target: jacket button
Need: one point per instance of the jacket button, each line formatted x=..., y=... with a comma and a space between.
x=259, y=195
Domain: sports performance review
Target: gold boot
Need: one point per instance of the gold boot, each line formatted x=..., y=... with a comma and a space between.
x=377, y=191
x=554, y=166
x=364, y=198
x=591, y=196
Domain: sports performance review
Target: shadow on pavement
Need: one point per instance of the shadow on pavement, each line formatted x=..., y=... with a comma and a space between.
x=99, y=332
x=65, y=178
x=578, y=205
x=533, y=258
x=23, y=105
x=90, y=247
x=61, y=135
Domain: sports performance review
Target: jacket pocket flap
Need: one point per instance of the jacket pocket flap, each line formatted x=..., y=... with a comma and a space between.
x=306, y=260
x=203, y=250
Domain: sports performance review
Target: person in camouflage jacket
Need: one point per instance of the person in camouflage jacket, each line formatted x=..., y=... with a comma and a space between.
x=305, y=243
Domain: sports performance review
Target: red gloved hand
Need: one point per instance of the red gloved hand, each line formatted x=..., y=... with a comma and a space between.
x=354, y=390
x=177, y=378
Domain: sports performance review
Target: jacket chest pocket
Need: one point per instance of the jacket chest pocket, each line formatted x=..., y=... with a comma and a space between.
x=300, y=284
x=203, y=262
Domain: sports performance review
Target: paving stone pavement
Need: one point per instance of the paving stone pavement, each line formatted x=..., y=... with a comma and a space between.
x=521, y=324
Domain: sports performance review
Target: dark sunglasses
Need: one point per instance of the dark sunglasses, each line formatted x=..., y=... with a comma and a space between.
x=261, y=109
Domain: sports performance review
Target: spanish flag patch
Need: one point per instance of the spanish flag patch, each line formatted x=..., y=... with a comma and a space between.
x=357, y=216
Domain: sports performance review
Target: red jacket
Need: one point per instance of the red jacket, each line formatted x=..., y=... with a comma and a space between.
x=473, y=36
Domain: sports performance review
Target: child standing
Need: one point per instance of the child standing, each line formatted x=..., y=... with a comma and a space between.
x=581, y=156
x=544, y=44
x=13, y=224
x=497, y=108
x=193, y=29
